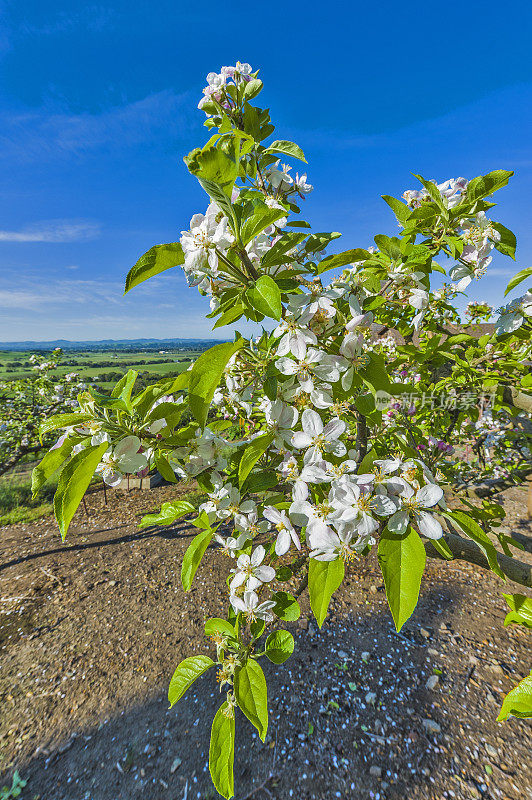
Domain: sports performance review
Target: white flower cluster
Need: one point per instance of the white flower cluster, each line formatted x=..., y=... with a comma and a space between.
x=451, y=191
x=514, y=314
x=218, y=82
x=479, y=238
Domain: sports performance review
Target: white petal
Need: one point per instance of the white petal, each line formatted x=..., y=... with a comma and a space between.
x=428, y=525
x=300, y=439
x=429, y=495
x=282, y=545
x=128, y=446
x=257, y=555
x=399, y=522
x=311, y=422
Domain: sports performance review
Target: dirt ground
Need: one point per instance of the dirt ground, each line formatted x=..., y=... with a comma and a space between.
x=91, y=631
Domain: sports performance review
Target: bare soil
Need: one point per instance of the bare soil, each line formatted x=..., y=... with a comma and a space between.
x=91, y=631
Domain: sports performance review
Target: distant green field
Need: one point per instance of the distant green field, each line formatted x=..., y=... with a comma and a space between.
x=95, y=367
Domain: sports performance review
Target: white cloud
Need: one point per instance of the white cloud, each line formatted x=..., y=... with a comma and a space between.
x=48, y=133
x=32, y=309
x=58, y=230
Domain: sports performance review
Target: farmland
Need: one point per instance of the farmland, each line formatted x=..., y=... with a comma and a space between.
x=103, y=368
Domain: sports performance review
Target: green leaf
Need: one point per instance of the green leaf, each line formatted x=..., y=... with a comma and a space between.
x=324, y=578
x=164, y=468
x=74, y=482
x=517, y=279
x=286, y=606
x=205, y=376
x=507, y=244
x=279, y=646
x=187, y=672
x=487, y=184
x=222, y=751
x=375, y=375
x=62, y=421
x=402, y=561
x=473, y=530
x=253, y=87
x=251, y=695
x=443, y=548
x=216, y=625
x=401, y=210
x=168, y=514
x=49, y=464
x=262, y=217
x=193, y=556
x=518, y=702
x=158, y=259
x=124, y=387
x=432, y=190
x=252, y=453
x=265, y=296
x=287, y=149
x=341, y=259
x=317, y=242
x=521, y=613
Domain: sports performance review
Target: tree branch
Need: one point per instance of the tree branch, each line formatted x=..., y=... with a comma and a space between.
x=466, y=550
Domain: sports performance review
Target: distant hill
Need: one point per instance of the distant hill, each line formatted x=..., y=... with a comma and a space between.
x=114, y=344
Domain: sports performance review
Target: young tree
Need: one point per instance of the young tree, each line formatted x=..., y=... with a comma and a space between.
x=28, y=402
x=322, y=437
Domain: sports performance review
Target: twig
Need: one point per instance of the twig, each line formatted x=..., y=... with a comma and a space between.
x=50, y=575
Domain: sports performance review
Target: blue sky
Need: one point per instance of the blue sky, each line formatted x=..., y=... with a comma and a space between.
x=98, y=106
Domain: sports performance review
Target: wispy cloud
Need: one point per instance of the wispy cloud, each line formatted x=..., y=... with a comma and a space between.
x=61, y=294
x=46, y=133
x=92, y=18
x=55, y=230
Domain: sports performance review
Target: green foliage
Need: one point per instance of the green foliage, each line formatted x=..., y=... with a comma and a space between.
x=402, y=561
x=286, y=606
x=158, y=259
x=193, y=556
x=168, y=514
x=279, y=646
x=324, y=578
x=187, y=672
x=251, y=695
x=517, y=279
x=222, y=751
x=265, y=296
x=15, y=790
x=73, y=482
x=521, y=610
x=205, y=376
x=518, y=702
x=251, y=455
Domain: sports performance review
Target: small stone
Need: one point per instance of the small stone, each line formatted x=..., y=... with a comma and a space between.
x=176, y=763
x=473, y=661
x=496, y=668
x=365, y=656
x=373, y=589
x=342, y=654
x=371, y=697
x=491, y=751
x=303, y=624
x=375, y=772
x=432, y=682
x=425, y=633
x=432, y=652
x=431, y=726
